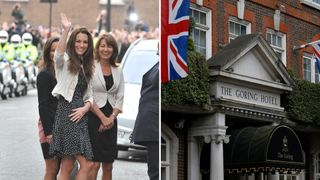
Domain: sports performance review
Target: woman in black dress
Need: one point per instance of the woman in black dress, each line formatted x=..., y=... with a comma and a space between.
x=47, y=106
x=108, y=91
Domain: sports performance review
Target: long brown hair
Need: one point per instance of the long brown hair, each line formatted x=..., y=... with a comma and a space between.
x=46, y=62
x=110, y=40
x=87, y=58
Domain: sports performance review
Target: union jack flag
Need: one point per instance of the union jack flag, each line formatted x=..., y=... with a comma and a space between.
x=174, y=39
x=316, y=48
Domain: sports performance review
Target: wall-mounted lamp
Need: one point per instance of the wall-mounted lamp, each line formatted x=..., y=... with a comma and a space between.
x=240, y=9
x=276, y=20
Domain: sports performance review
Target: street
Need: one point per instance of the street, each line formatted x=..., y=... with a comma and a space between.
x=20, y=152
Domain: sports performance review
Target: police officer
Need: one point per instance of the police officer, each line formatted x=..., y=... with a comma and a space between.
x=15, y=45
x=6, y=52
x=28, y=50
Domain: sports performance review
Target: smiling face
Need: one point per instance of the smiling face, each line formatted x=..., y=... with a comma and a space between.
x=81, y=43
x=105, y=50
x=52, y=49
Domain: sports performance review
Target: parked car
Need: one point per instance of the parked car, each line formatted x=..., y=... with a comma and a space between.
x=139, y=58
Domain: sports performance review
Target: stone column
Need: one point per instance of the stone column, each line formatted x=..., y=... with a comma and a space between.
x=274, y=176
x=216, y=161
x=193, y=159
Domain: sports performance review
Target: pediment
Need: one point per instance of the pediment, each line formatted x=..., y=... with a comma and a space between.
x=250, y=58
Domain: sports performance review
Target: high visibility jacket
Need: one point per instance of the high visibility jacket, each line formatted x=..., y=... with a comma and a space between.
x=29, y=52
x=16, y=52
x=6, y=52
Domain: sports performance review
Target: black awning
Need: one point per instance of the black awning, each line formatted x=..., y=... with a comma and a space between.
x=266, y=148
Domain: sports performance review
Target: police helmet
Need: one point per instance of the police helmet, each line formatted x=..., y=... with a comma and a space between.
x=26, y=38
x=4, y=36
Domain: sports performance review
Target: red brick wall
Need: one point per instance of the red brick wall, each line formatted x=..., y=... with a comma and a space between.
x=299, y=22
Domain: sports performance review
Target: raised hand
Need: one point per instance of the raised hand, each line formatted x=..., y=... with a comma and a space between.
x=66, y=23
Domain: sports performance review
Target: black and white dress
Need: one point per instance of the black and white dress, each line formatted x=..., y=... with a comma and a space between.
x=104, y=143
x=70, y=138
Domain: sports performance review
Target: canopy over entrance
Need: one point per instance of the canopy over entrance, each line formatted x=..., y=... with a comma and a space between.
x=264, y=149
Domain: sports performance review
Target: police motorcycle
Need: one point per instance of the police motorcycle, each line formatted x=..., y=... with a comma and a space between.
x=28, y=54
x=18, y=72
x=7, y=83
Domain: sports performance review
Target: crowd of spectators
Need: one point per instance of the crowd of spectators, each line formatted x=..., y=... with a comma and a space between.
x=41, y=33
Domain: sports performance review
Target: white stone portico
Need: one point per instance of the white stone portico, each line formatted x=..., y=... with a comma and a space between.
x=246, y=80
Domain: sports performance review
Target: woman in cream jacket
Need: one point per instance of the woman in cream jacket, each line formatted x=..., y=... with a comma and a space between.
x=108, y=91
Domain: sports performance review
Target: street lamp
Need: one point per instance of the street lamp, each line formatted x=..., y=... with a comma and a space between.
x=108, y=18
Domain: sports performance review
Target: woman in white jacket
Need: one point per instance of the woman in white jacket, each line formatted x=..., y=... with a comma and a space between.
x=74, y=70
x=108, y=91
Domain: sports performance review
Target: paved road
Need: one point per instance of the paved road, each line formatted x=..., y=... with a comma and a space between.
x=20, y=153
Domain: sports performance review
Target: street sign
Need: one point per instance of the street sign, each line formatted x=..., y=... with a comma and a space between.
x=48, y=1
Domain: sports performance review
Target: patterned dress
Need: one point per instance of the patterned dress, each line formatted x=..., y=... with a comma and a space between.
x=70, y=138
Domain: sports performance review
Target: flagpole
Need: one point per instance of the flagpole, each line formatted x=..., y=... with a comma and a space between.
x=304, y=45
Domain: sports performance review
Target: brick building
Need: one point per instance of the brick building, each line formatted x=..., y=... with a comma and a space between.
x=81, y=12
x=250, y=46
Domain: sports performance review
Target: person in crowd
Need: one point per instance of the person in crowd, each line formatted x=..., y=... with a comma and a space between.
x=108, y=92
x=74, y=70
x=102, y=20
x=146, y=128
x=15, y=46
x=17, y=14
x=46, y=81
x=6, y=53
x=29, y=52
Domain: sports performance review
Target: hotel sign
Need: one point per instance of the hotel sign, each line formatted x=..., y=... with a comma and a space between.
x=244, y=94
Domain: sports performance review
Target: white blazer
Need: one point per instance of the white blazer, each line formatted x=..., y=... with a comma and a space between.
x=66, y=82
x=115, y=94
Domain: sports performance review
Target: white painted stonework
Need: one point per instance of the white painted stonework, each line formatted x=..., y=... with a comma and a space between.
x=246, y=95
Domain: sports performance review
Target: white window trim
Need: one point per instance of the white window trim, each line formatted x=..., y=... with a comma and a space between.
x=113, y=2
x=207, y=28
x=283, y=49
x=174, y=148
x=313, y=66
x=316, y=160
x=310, y=3
x=241, y=22
x=16, y=0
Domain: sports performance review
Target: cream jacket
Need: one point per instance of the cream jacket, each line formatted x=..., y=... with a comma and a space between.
x=66, y=82
x=115, y=94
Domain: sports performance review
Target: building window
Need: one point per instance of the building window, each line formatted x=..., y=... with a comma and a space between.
x=277, y=40
x=288, y=177
x=201, y=34
x=113, y=2
x=312, y=3
x=169, y=153
x=317, y=167
x=165, y=158
x=17, y=0
x=238, y=28
x=310, y=70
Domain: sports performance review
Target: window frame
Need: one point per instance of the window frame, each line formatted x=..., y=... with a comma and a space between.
x=206, y=28
x=278, y=49
x=166, y=164
x=240, y=22
x=173, y=141
x=311, y=3
x=314, y=72
x=113, y=2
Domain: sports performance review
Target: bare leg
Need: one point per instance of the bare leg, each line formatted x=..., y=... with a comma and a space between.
x=66, y=167
x=86, y=167
x=51, y=169
x=94, y=172
x=107, y=171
